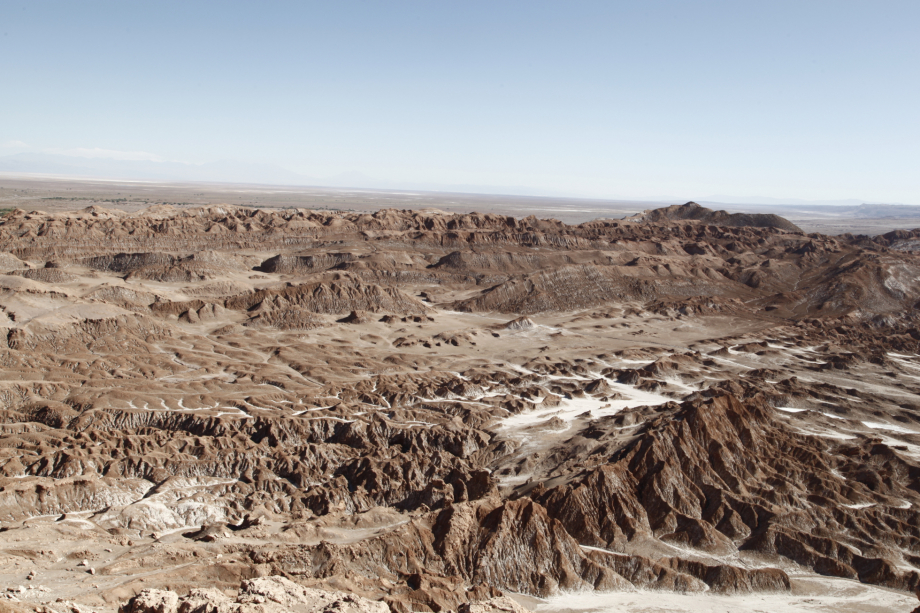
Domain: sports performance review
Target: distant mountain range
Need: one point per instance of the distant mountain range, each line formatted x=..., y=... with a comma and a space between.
x=876, y=211
x=228, y=171
x=233, y=171
x=224, y=171
x=856, y=210
x=764, y=201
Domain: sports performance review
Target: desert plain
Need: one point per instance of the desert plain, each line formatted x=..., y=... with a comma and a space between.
x=415, y=406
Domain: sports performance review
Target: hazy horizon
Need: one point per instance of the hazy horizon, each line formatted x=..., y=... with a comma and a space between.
x=343, y=185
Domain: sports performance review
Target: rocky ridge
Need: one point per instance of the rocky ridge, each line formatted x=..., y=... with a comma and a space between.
x=693, y=211
x=428, y=410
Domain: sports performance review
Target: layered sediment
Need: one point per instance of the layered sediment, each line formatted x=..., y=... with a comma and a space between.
x=428, y=410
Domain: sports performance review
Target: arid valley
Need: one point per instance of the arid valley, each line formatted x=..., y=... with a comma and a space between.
x=415, y=408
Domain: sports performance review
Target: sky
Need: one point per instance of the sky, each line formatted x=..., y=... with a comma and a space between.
x=655, y=99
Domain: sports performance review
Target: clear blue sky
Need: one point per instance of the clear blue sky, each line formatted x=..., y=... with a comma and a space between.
x=640, y=99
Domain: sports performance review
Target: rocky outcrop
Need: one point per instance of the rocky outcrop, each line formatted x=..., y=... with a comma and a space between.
x=501, y=604
x=695, y=212
x=342, y=295
x=265, y=595
x=153, y=601
x=306, y=264
x=721, y=476
x=586, y=287
x=209, y=395
x=46, y=275
x=521, y=323
x=536, y=265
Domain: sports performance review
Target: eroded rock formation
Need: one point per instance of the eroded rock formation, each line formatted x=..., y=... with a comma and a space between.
x=429, y=410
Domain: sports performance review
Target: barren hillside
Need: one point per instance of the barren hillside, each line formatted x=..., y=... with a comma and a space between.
x=429, y=409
